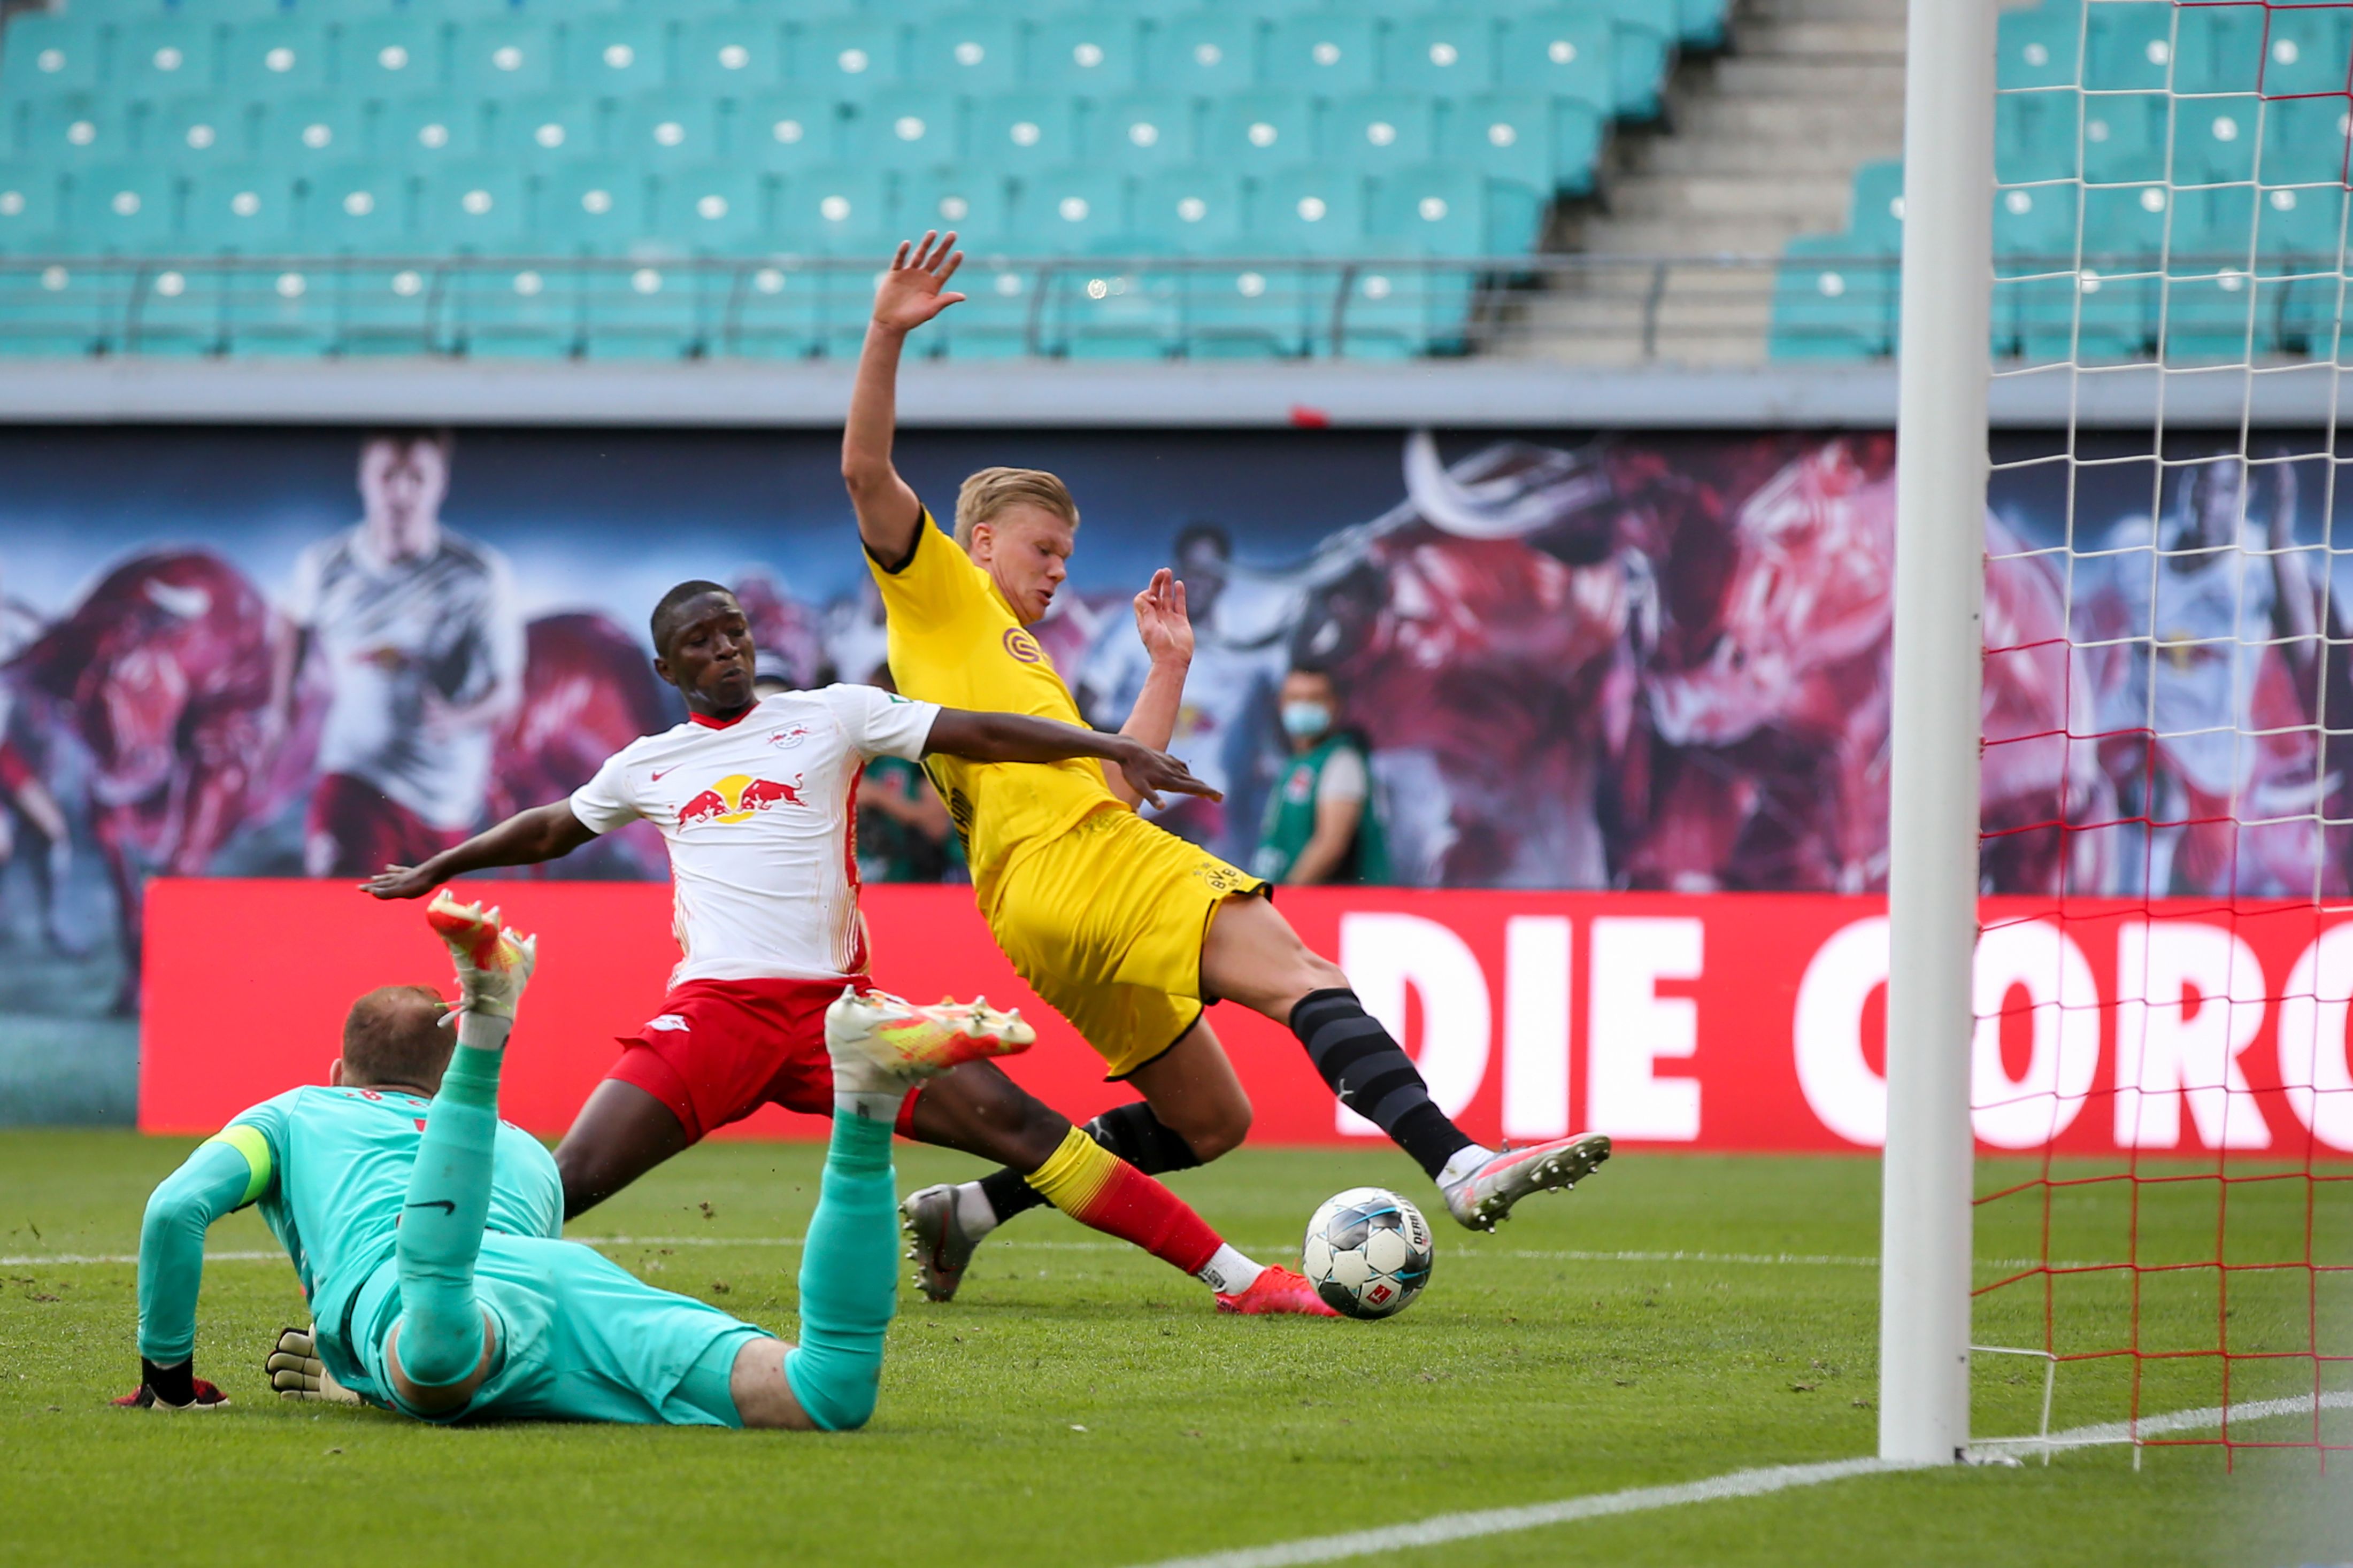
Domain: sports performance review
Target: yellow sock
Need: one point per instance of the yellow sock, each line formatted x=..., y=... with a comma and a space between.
x=1076, y=1174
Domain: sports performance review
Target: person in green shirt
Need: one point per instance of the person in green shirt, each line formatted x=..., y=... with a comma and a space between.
x=1321, y=824
x=424, y=1230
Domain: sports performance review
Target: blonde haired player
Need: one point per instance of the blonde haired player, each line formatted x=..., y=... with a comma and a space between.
x=1125, y=929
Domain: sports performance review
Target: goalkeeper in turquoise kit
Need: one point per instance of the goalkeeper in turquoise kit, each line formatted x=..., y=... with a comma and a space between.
x=424, y=1230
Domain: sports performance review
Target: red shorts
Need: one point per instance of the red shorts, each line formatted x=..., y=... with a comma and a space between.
x=356, y=830
x=719, y=1049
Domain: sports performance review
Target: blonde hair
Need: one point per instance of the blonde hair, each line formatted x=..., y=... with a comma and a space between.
x=992, y=490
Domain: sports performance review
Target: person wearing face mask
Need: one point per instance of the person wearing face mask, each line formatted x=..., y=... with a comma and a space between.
x=1320, y=825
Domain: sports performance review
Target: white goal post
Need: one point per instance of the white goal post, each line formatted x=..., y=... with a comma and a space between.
x=1944, y=366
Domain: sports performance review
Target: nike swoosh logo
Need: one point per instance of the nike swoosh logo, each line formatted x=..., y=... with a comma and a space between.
x=444, y=1205
x=657, y=777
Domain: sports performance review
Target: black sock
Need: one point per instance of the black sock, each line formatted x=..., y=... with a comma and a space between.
x=1130, y=1131
x=1374, y=1076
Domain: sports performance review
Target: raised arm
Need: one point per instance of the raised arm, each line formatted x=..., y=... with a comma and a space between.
x=1018, y=738
x=1168, y=635
x=546, y=832
x=225, y=1173
x=911, y=293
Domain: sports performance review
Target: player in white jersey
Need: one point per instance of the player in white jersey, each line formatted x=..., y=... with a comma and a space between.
x=757, y=799
x=423, y=644
x=2215, y=620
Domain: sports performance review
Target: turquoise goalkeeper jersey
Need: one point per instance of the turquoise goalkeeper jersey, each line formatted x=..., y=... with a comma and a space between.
x=329, y=1168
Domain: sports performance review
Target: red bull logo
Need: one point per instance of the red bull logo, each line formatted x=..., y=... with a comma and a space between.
x=739, y=797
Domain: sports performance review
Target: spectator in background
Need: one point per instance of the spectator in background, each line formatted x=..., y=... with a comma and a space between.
x=423, y=649
x=904, y=831
x=1321, y=824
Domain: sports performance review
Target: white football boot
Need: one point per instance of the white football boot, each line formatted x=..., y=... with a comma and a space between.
x=1488, y=1193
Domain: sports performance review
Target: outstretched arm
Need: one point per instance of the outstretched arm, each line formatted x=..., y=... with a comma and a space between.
x=909, y=293
x=1018, y=738
x=546, y=832
x=1168, y=636
x=221, y=1176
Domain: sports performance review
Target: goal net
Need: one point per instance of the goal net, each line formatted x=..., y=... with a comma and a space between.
x=2160, y=1090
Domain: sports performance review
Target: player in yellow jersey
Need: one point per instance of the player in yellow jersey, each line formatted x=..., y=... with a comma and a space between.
x=1125, y=929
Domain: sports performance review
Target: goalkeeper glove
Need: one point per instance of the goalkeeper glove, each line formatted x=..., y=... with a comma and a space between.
x=297, y=1373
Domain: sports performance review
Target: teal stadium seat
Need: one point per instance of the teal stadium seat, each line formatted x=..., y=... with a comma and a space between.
x=1072, y=211
x=2124, y=223
x=48, y=55
x=1141, y=132
x=311, y=130
x=720, y=209
x=171, y=310
x=2304, y=223
x=1832, y=300
x=2310, y=52
x=1020, y=131
x=771, y=313
x=122, y=208
x=790, y=129
x=358, y=209
x=2124, y=137
x=545, y=130
x=245, y=208
x=970, y=52
x=1325, y=54
x=1092, y=54
x=839, y=210
x=616, y=54
x=1311, y=210
x=1206, y=53
x=1543, y=144
x=994, y=320
x=1260, y=131
x=968, y=199
x=1381, y=131
x=733, y=52
x=279, y=310
x=593, y=209
x=2306, y=141
x=1438, y=210
x=390, y=310
x=162, y=57
x=2219, y=48
x=73, y=131
x=2040, y=48
x=480, y=208
x=56, y=308
x=1642, y=36
x=30, y=208
x=280, y=58
x=1702, y=22
x=2037, y=135
x=1196, y=211
x=1566, y=53
x=1123, y=313
x=675, y=128
x=432, y=128
x=2128, y=46
x=525, y=313
x=848, y=57
x=905, y=128
x=1447, y=54
x=191, y=132
x=2215, y=140
x=395, y=55
x=1875, y=209
x=502, y=57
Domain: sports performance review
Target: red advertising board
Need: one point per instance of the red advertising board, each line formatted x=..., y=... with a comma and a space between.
x=1718, y=1022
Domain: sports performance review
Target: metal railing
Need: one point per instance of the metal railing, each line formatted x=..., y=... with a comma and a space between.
x=1596, y=307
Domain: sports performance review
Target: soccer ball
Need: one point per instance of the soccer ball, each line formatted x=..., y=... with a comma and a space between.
x=1367, y=1253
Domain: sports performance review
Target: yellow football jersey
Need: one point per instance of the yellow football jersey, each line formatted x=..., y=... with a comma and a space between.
x=955, y=641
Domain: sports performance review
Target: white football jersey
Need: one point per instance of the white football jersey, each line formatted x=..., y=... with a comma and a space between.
x=760, y=815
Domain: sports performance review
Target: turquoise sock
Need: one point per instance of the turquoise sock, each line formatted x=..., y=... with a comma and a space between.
x=442, y=1225
x=849, y=1277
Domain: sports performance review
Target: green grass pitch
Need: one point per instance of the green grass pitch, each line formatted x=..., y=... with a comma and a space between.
x=1083, y=1405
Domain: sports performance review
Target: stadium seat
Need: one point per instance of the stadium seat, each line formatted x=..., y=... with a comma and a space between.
x=1259, y=131
x=616, y=54
x=592, y=209
x=122, y=207
x=1566, y=53
x=399, y=54
x=995, y=320
x=2306, y=141
x=56, y=308
x=357, y=209
x=2041, y=46
x=1438, y=210
x=312, y=130
x=479, y=209
x=2215, y=139
x=2124, y=137
x=523, y=313
x=272, y=59
x=545, y=130
x=2124, y=222
x=1448, y=54
x=1325, y=54
x=2128, y=46
x=1642, y=36
x=1196, y=211
x=772, y=312
x=1875, y=214
x=1022, y=131
x=968, y=199
x=2219, y=48
x=30, y=208
x=387, y=310
x=1545, y=144
x=677, y=128
x=1831, y=299
x=1397, y=312
x=69, y=131
x=904, y=128
x=731, y=52
x=48, y=55
x=2310, y=50
x=274, y=309
x=839, y=211
x=1094, y=54
x=720, y=209
x=2303, y=226
x=1702, y=22
x=247, y=208
x=971, y=52
x=1250, y=313
x=188, y=131
x=1376, y=132
x=416, y=133
x=1127, y=312
x=2096, y=319
x=2037, y=135
x=503, y=56
x=1141, y=132
x=792, y=127
x=1313, y=211
x=2034, y=227
x=1070, y=211
x=1206, y=53
x=848, y=57
x=160, y=57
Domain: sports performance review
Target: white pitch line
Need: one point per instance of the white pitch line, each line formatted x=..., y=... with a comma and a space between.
x=1448, y=1527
